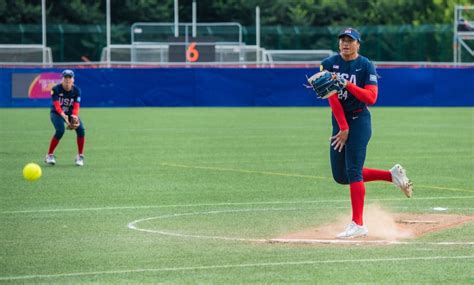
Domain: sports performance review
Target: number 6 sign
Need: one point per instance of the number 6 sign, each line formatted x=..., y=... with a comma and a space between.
x=201, y=49
x=192, y=54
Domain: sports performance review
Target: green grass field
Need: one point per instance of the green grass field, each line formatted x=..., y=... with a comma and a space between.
x=239, y=173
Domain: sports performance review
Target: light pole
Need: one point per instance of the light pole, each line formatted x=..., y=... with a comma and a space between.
x=108, y=32
x=176, y=19
x=43, y=28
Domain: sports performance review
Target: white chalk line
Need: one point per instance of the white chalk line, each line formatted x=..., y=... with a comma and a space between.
x=134, y=226
x=241, y=265
x=226, y=204
x=348, y=241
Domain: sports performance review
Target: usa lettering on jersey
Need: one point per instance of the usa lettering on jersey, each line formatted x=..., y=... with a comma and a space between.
x=351, y=78
x=66, y=101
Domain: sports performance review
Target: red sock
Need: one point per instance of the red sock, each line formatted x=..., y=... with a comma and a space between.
x=376, y=174
x=357, y=201
x=52, y=145
x=80, y=144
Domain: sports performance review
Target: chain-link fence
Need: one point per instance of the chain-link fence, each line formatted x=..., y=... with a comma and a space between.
x=433, y=43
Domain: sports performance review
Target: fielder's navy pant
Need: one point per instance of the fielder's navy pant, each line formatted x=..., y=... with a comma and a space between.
x=347, y=165
x=58, y=123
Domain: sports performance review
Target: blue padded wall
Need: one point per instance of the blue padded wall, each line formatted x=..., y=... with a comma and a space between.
x=124, y=87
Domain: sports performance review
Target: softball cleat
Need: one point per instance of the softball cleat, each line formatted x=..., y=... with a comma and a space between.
x=353, y=230
x=79, y=160
x=50, y=159
x=400, y=179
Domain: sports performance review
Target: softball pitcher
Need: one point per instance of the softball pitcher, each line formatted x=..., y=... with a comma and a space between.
x=356, y=78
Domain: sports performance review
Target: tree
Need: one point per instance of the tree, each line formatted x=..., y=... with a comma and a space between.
x=285, y=23
x=273, y=12
x=20, y=12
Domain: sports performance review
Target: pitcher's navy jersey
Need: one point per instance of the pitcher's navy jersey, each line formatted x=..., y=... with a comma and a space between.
x=66, y=98
x=360, y=71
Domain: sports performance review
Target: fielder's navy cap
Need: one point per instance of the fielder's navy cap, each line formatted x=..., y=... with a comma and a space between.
x=68, y=72
x=351, y=32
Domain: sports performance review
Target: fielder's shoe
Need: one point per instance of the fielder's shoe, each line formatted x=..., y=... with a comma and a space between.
x=79, y=160
x=400, y=179
x=353, y=230
x=50, y=159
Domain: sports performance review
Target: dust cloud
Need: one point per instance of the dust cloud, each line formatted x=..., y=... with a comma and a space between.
x=383, y=224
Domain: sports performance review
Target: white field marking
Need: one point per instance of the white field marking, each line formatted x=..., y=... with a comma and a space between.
x=468, y=208
x=195, y=205
x=440, y=209
x=134, y=226
x=294, y=175
x=417, y=222
x=361, y=241
x=230, y=204
x=241, y=265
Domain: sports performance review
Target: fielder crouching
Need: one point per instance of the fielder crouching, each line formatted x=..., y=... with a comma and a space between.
x=66, y=98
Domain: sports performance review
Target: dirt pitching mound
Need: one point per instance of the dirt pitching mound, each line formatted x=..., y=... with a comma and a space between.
x=382, y=225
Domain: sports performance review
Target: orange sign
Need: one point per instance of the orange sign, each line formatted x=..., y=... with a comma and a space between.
x=192, y=54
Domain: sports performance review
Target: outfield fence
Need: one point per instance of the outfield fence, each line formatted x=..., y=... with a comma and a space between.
x=210, y=86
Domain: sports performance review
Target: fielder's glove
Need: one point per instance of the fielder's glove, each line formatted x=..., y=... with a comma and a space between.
x=340, y=81
x=325, y=84
x=73, y=122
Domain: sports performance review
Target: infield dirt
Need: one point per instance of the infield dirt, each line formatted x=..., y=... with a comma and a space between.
x=383, y=225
